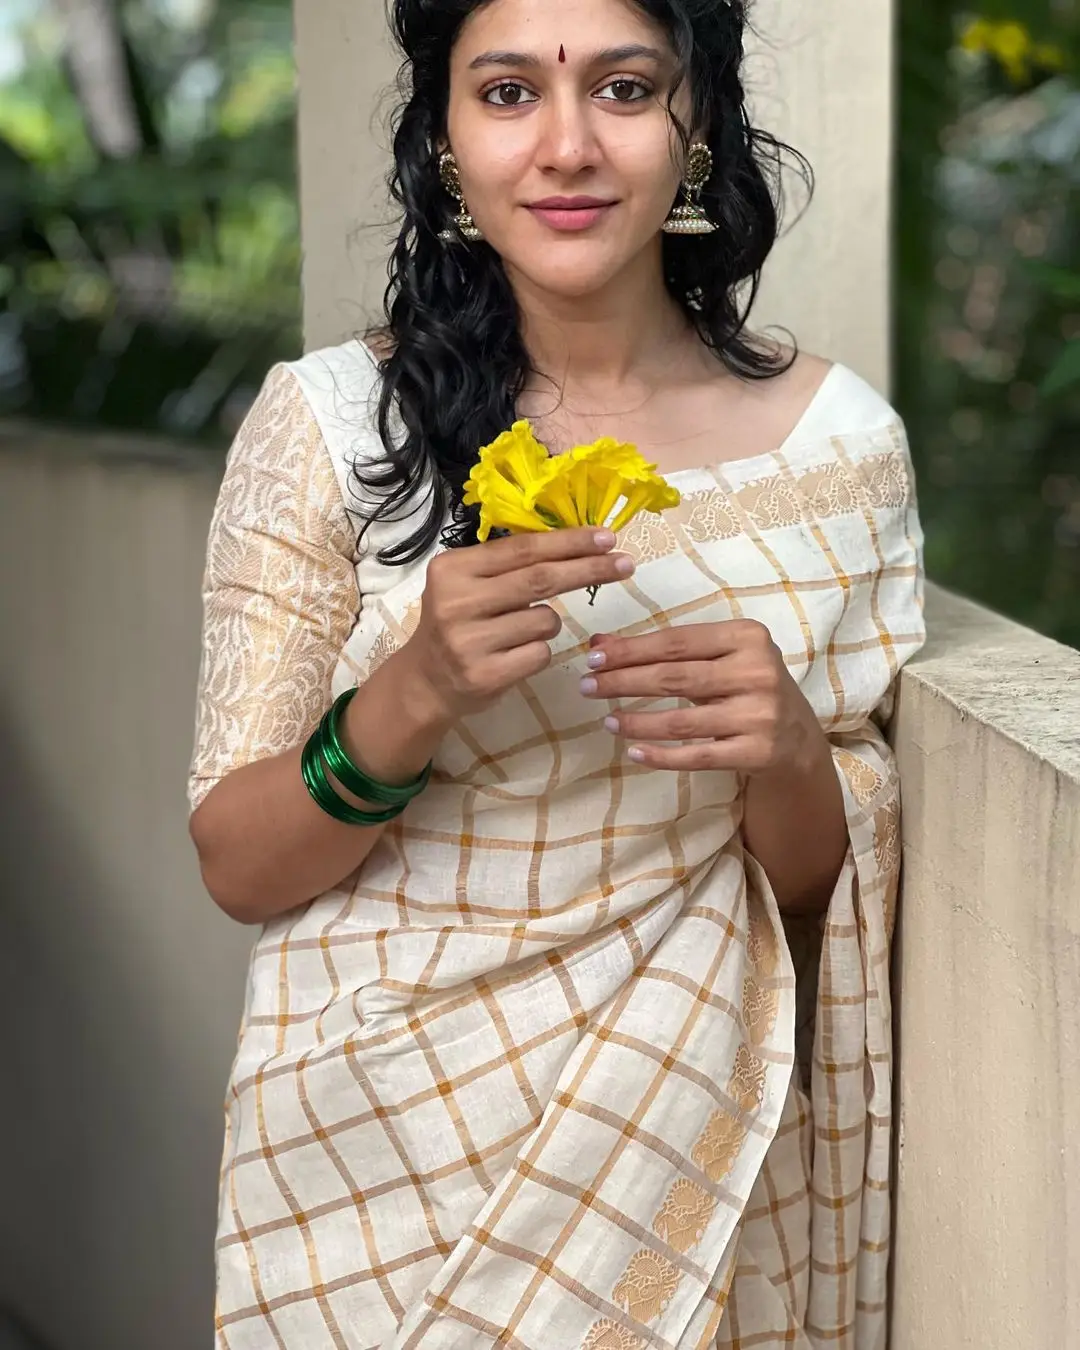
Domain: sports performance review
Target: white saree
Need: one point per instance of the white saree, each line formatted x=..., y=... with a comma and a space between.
x=532, y=1078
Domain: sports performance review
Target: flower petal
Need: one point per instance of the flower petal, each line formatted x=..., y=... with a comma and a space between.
x=654, y=496
x=609, y=488
x=517, y=455
x=558, y=495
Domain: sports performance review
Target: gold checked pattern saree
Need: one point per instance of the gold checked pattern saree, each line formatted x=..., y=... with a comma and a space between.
x=549, y=1072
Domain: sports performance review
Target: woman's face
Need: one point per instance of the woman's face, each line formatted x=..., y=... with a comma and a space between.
x=567, y=154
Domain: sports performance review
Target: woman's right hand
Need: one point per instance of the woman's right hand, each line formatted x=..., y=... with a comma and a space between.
x=484, y=625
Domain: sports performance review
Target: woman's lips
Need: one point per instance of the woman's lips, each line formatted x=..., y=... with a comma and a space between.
x=571, y=217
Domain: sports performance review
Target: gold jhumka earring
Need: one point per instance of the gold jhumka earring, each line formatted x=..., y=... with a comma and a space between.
x=464, y=226
x=690, y=218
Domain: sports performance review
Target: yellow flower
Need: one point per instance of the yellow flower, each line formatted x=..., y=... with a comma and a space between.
x=615, y=473
x=519, y=487
x=503, y=483
x=1012, y=46
x=977, y=36
x=1010, y=43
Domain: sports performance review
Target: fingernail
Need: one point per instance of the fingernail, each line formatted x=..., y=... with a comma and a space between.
x=611, y=723
x=624, y=565
x=596, y=660
x=636, y=754
x=604, y=539
x=589, y=685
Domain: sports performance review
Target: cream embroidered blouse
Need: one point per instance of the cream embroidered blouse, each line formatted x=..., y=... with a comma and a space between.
x=528, y=1078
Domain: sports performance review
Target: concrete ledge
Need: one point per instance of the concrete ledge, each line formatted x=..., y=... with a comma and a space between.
x=1024, y=686
x=111, y=448
x=988, y=989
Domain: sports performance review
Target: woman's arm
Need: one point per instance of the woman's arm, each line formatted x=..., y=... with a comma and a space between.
x=281, y=600
x=795, y=825
x=263, y=844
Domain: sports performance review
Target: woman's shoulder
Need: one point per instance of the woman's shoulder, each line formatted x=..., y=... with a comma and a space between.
x=334, y=377
x=341, y=385
x=836, y=401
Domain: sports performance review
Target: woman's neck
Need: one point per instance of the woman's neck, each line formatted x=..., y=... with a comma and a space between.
x=629, y=334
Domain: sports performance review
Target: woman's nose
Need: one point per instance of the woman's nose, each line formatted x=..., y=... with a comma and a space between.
x=568, y=142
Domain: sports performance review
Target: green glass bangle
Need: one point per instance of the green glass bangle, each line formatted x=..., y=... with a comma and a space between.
x=324, y=796
x=354, y=779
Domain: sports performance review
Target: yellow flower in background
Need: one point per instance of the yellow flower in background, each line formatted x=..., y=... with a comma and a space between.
x=519, y=487
x=1012, y=46
x=975, y=36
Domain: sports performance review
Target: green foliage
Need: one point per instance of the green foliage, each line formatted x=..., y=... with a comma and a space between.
x=988, y=300
x=150, y=285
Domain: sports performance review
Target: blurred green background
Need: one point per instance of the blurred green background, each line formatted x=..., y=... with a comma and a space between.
x=987, y=282
x=149, y=251
x=149, y=229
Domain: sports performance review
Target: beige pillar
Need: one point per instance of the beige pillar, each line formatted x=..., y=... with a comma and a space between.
x=821, y=76
x=987, y=970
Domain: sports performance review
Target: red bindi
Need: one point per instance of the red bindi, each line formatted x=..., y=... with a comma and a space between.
x=562, y=56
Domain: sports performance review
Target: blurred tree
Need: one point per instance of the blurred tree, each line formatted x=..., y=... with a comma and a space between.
x=97, y=55
x=149, y=257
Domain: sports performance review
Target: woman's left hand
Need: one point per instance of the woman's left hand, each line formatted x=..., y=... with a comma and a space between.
x=749, y=715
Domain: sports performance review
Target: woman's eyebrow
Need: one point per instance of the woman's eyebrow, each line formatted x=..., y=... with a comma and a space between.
x=611, y=56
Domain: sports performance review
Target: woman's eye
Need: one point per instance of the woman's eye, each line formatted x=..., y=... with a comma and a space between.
x=508, y=96
x=624, y=91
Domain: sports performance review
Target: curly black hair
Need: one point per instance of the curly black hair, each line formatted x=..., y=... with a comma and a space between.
x=454, y=363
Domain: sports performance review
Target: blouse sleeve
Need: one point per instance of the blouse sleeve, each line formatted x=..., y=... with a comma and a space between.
x=280, y=593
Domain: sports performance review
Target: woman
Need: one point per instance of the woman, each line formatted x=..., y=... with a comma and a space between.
x=519, y=1056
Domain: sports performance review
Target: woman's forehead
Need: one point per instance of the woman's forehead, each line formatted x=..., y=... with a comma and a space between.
x=580, y=27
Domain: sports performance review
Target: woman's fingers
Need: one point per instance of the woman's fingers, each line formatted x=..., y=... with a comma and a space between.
x=692, y=680
x=679, y=645
x=516, y=553
x=545, y=580
x=735, y=755
x=485, y=623
x=733, y=717
x=538, y=623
